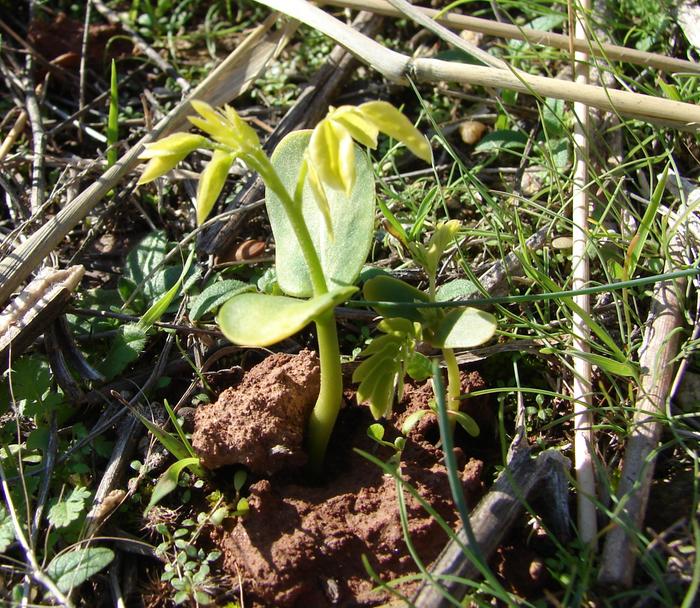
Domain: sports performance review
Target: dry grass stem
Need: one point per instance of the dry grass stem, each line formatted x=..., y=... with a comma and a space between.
x=489, y=27
x=581, y=385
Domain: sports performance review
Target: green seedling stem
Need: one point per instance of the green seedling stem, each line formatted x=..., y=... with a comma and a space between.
x=327, y=406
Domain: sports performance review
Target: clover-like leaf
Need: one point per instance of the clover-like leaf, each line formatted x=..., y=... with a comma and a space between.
x=255, y=319
x=464, y=328
x=393, y=123
x=212, y=181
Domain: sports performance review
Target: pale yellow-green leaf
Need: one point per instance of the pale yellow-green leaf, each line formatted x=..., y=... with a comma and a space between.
x=442, y=238
x=255, y=319
x=243, y=132
x=323, y=153
x=211, y=182
x=320, y=197
x=218, y=130
x=177, y=143
x=393, y=123
x=346, y=157
x=159, y=166
x=362, y=130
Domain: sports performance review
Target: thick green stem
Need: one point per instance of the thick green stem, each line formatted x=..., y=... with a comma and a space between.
x=454, y=384
x=327, y=406
x=296, y=219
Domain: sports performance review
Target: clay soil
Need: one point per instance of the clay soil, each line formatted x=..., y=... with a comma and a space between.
x=302, y=543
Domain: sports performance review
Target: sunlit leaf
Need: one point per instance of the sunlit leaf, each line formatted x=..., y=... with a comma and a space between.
x=159, y=166
x=168, y=480
x=68, y=570
x=177, y=143
x=393, y=123
x=464, y=328
x=255, y=319
x=66, y=511
x=343, y=252
x=211, y=182
x=361, y=130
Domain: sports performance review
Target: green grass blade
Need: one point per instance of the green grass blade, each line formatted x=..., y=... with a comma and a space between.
x=113, y=118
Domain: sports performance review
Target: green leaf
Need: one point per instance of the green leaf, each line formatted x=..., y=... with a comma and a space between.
x=256, y=319
x=158, y=308
x=126, y=347
x=168, y=480
x=412, y=420
x=419, y=367
x=464, y=328
x=465, y=421
x=342, y=254
x=626, y=369
x=636, y=246
x=7, y=529
x=211, y=183
x=146, y=258
x=113, y=118
x=215, y=295
x=64, y=512
x=459, y=289
x=389, y=289
x=375, y=431
x=68, y=570
x=503, y=140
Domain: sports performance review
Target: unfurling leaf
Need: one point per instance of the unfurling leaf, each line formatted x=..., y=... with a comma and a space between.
x=165, y=154
x=211, y=182
x=393, y=123
x=159, y=166
x=256, y=319
x=361, y=130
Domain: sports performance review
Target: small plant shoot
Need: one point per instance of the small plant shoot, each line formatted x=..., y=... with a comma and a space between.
x=388, y=357
x=321, y=202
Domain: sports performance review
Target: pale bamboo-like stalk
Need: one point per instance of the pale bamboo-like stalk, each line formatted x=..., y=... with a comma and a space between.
x=612, y=52
x=399, y=68
x=581, y=385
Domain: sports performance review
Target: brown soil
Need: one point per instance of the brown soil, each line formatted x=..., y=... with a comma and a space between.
x=301, y=544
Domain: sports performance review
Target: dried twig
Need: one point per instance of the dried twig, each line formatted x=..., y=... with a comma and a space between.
x=656, y=358
x=491, y=520
x=581, y=385
x=398, y=68
x=227, y=81
x=498, y=29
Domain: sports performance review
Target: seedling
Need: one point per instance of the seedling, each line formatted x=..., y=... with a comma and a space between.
x=320, y=200
x=388, y=357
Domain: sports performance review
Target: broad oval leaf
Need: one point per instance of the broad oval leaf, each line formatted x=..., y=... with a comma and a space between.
x=256, y=319
x=215, y=295
x=464, y=328
x=68, y=570
x=388, y=289
x=343, y=250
